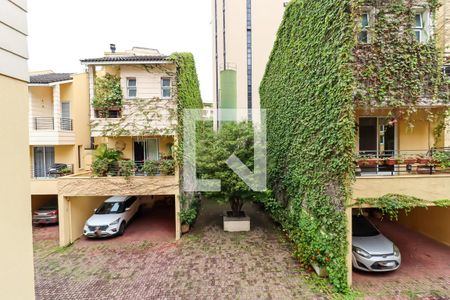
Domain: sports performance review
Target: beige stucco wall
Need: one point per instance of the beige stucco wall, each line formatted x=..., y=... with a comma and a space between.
x=73, y=214
x=43, y=186
x=426, y=187
x=16, y=254
x=433, y=222
x=39, y=200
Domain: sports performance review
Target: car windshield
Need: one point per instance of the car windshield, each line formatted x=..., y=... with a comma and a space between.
x=362, y=227
x=110, y=208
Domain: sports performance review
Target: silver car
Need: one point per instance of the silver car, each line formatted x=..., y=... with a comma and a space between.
x=372, y=251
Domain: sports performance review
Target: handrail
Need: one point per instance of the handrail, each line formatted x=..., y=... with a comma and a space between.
x=48, y=123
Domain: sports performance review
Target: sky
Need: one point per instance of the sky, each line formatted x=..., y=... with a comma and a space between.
x=61, y=32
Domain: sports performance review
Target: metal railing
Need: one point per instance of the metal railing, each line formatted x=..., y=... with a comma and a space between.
x=48, y=123
x=46, y=173
x=404, y=162
x=44, y=123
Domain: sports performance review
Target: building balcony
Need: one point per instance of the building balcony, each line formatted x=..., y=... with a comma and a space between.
x=51, y=131
x=424, y=174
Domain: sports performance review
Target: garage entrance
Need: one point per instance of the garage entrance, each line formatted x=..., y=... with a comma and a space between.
x=154, y=221
x=424, y=259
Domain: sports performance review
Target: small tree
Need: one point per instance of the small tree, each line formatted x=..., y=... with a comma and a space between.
x=213, y=150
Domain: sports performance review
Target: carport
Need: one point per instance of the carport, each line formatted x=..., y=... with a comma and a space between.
x=423, y=237
x=158, y=220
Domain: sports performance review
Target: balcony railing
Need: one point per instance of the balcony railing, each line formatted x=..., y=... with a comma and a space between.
x=404, y=162
x=55, y=171
x=48, y=123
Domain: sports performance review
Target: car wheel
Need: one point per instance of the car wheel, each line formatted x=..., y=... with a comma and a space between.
x=121, y=228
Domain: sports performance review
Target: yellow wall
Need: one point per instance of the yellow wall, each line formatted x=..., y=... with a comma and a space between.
x=73, y=214
x=128, y=143
x=16, y=253
x=80, y=113
x=39, y=200
x=426, y=187
x=433, y=222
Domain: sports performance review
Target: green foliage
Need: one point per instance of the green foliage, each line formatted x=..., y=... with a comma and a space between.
x=394, y=70
x=100, y=167
x=307, y=91
x=108, y=92
x=188, y=216
x=442, y=159
x=105, y=161
x=391, y=204
x=213, y=150
x=151, y=167
x=127, y=168
x=167, y=166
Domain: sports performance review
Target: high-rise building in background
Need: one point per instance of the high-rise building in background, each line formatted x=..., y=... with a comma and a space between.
x=243, y=35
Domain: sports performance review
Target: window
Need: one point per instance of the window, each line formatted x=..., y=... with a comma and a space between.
x=166, y=88
x=420, y=26
x=446, y=70
x=131, y=88
x=363, y=36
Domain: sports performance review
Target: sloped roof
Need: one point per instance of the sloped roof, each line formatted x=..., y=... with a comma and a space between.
x=50, y=78
x=131, y=58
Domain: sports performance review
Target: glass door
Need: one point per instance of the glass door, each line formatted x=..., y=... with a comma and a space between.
x=43, y=159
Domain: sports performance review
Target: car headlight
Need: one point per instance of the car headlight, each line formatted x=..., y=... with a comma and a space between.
x=361, y=252
x=115, y=222
x=396, y=251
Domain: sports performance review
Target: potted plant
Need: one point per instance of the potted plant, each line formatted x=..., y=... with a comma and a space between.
x=107, y=95
x=409, y=160
x=151, y=167
x=442, y=159
x=106, y=161
x=127, y=168
x=212, y=157
x=187, y=218
x=390, y=161
x=167, y=167
x=424, y=160
x=368, y=161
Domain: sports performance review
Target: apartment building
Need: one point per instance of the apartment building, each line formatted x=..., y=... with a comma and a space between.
x=59, y=131
x=383, y=75
x=16, y=262
x=243, y=37
x=132, y=99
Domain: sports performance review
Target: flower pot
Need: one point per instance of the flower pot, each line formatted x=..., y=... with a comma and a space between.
x=185, y=228
x=390, y=162
x=424, y=160
x=409, y=161
x=236, y=224
x=321, y=271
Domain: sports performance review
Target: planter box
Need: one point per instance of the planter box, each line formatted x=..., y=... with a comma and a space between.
x=390, y=162
x=321, y=271
x=233, y=224
x=409, y=161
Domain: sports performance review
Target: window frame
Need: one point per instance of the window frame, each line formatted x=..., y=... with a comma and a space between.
x=163, y=88
x=366, y=29
x=425, y=30
x=129, y=87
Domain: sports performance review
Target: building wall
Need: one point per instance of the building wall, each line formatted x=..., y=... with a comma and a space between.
x=266, y=18
x=433, y=222
x=13, y=44
x=41, y=103
x=16, y=255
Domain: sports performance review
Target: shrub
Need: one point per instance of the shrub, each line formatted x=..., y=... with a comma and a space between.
x=167, y=167
x=100, y=167
x=127, y=168
x=151, y=167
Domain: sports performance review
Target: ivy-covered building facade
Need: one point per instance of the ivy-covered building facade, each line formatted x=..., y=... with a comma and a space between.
x=136, y=101
x=357, y=106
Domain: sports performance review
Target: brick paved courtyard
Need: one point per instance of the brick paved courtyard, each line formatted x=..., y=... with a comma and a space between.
x=206, y=264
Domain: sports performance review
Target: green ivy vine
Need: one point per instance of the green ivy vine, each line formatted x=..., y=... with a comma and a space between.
x=317, y=75
x=108, y=92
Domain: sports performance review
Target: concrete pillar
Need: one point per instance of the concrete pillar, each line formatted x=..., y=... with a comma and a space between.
x=57, y=107
x=349, y=242
x=64, y=221
x=177, y=217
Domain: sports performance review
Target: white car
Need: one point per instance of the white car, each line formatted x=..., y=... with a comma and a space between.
x=112, y=216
